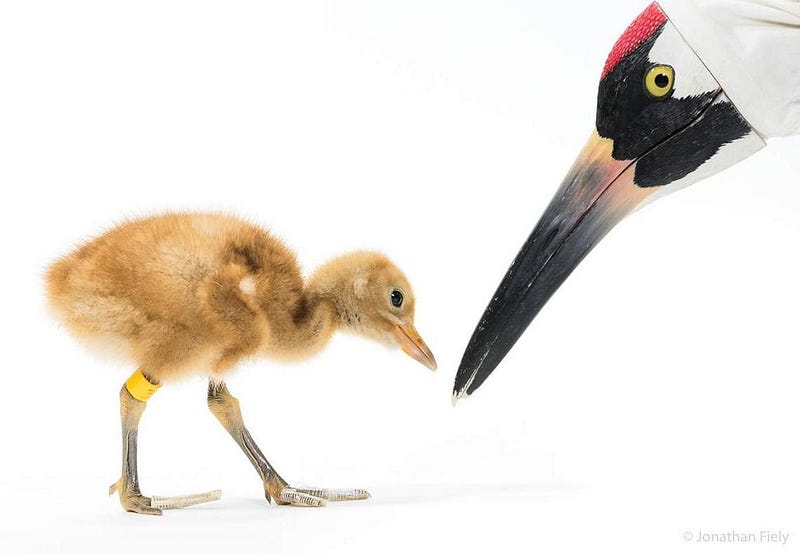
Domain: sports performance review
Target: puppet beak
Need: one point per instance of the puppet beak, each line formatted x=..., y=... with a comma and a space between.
x=596, y=194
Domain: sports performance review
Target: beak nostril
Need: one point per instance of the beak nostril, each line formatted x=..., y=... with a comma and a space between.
x=550, y=237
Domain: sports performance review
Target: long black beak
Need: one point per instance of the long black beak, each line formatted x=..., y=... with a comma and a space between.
x=596, y=194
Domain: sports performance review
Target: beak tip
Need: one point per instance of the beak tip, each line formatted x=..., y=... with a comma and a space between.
x=458, y=395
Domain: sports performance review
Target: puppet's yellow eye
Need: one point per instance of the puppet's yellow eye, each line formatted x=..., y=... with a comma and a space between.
x=659, y=81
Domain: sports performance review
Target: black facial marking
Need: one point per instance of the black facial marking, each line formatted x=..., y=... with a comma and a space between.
x=631, y=117
x=685, y=152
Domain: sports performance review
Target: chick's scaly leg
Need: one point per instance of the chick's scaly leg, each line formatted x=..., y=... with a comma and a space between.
x=133, y=399
x=226, y=409
x=130, y=496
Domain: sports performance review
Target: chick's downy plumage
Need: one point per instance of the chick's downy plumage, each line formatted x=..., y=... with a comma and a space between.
x=193, y=293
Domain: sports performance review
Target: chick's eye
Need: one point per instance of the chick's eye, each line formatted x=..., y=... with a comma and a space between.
x=659, y=81
x=397, y=298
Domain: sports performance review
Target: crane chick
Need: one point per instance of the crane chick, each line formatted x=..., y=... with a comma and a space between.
x=182, y=294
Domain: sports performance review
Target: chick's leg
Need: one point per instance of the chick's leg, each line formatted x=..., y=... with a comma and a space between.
x=226, y=409
x=132, y=397
x=128, y=485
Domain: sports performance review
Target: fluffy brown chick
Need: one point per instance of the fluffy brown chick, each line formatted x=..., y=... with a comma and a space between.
x=181, y=294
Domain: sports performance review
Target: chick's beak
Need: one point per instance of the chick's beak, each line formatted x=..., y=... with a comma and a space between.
x=412, y=344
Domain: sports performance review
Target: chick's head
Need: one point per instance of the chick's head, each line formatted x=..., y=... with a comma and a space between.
x=375, y=299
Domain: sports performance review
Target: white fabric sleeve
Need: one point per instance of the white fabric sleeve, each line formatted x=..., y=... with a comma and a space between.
x=752, y=47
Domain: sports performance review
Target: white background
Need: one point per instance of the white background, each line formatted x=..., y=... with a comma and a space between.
x=656, y=393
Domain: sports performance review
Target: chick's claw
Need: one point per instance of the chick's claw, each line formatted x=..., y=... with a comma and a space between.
x=337, y=495
x=295, y=497
x=318, y=497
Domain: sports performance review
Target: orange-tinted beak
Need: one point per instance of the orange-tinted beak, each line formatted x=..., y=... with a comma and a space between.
x=412, y=344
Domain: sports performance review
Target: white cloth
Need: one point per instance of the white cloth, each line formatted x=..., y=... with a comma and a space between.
x=752, y=47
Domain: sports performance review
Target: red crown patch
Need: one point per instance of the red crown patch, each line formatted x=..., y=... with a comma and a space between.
x=639, y=31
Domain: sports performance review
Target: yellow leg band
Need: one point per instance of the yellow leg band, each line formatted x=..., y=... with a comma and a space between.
x=139, y=387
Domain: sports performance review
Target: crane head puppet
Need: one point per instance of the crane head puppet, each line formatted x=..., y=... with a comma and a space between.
x=664, y=121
